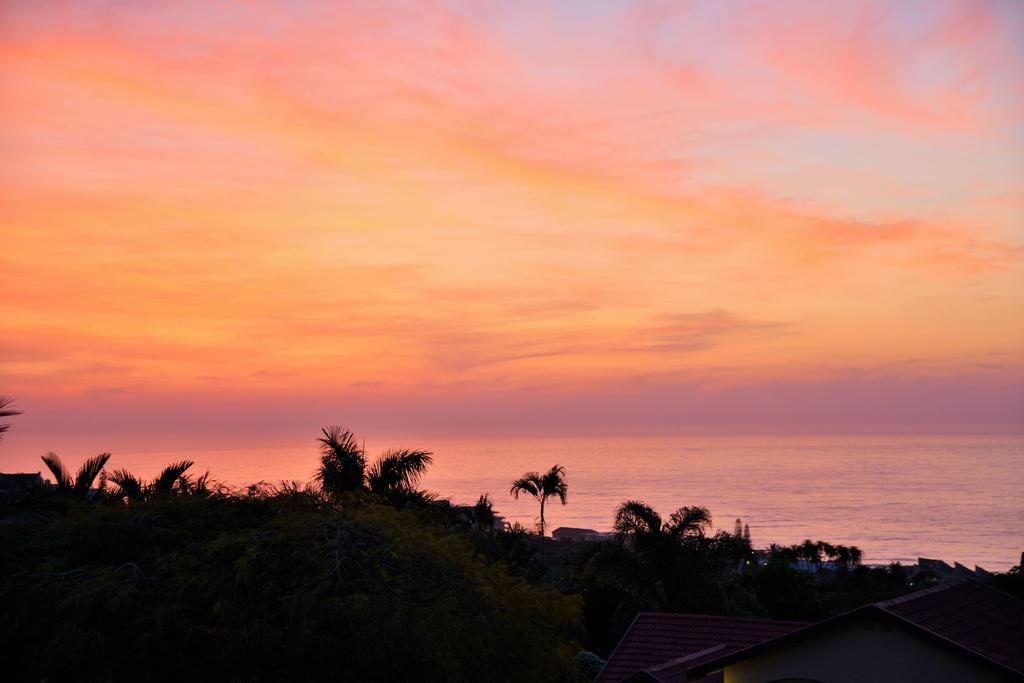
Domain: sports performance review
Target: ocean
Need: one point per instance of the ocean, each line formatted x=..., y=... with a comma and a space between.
x=896, y=497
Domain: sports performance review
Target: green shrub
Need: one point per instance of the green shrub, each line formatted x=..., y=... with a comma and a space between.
x=276, y=588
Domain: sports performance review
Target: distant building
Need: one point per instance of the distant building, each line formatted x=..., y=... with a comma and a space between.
x=568, y=533
x=470, y=515
x=932, y=571
x=964, y=631
x=15, y=486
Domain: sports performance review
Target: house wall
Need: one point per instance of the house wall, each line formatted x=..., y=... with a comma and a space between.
x=867, y=651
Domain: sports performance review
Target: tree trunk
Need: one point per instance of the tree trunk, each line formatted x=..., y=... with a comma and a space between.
x=541, y=516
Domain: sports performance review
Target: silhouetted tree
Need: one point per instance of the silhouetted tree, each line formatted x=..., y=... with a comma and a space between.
x=689, y=522
x=397, y=471
x=542, y=486
x=394, y=476
x=483, y=512
x=172, y=480
x=636, y=518
x=664, y=564
x=342, y=462
x=79, y=485
x=814, y=552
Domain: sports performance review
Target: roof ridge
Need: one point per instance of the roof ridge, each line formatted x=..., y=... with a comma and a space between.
x=910, y=597
x=832, y=622
x=946, y=585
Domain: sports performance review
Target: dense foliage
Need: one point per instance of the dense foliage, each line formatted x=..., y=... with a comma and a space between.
x=679, y=565
x=363, y=576
x=284, y=586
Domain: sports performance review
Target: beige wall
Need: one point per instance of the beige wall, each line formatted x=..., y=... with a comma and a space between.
x=855, y=654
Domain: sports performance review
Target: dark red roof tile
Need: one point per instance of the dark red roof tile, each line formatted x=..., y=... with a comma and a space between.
x=656, y=638
x=971, y=615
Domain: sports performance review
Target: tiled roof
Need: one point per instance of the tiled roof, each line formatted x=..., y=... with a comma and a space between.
x=656, y=638
x=966, y=617
x=971, y=615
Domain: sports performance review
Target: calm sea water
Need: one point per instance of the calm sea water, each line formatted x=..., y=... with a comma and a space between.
x=954, y=498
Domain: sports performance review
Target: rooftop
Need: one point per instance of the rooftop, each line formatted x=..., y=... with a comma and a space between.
x=655, y=640
x=965, y=617
x=970, y=614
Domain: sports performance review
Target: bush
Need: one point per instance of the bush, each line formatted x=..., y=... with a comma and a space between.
x=269, y=589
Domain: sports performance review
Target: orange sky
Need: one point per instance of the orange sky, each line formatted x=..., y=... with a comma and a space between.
x=478, y=207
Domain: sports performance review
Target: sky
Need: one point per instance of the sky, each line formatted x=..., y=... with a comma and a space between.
x=242, y=220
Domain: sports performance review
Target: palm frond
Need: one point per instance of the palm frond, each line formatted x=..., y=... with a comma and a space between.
x=128, y=485
x=634, y=517
x=200, y=488
x=60, y=474
x=553, y=483
x=88, y=472
x=689, y=521
x=339, y=442
x=171, y=474
x=342, y=461
x=6, y=410
x=529, y=483
x=398, y=470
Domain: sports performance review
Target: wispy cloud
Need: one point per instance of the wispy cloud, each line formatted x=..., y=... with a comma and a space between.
x=293, y=196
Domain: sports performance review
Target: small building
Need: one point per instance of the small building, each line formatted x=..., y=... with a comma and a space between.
x=568, y=533
x=964, y=631
x=15, y=486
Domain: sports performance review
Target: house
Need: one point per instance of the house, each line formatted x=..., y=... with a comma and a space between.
x=660, y=647
x=568, y=533
x=15, y=486
x=964, y=631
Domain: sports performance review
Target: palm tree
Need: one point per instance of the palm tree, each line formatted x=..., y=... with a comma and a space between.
x=398, y=470
x=668, y=562
x=6, y=410
x=173, y=474
x=636, y=518
x=395, y=475
x=128, y=485
x=542, y=487
x=845, y=557
x=81, y=484
x=483, y=512
x=689, y=521
x=342, y=462
x=172, y=480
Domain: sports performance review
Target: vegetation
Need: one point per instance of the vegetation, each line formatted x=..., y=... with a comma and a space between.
x=361, y=575
x=1012, y=582
x=394, y=476
x=6, y=410
x=283, y=585
x=542, y=486
x=81, y=485
x=172, y=480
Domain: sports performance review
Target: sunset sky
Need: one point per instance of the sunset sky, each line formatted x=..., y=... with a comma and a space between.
x=488, y=217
